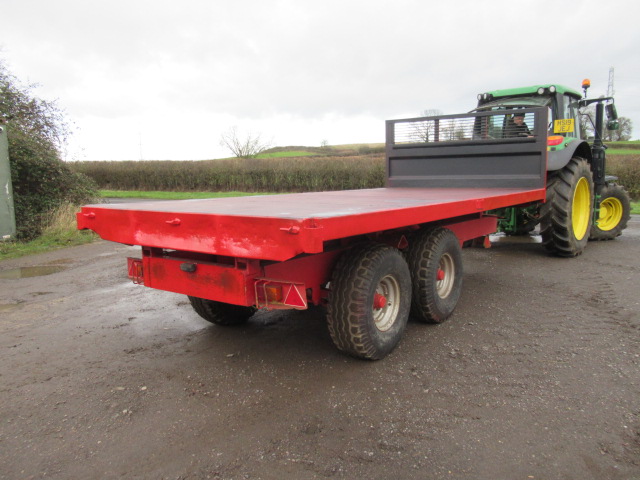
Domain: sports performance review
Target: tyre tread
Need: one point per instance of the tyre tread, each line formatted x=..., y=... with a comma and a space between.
x=421, y=254
x=556, y=222
x=346, y=310
x=619, y=192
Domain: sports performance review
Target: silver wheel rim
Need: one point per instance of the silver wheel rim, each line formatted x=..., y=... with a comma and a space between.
x=448, y=269
x=385, y=317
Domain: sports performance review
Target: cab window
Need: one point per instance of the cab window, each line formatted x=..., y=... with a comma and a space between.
x=569, y=112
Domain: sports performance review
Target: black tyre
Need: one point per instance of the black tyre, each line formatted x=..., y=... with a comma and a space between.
x=221, y=313
x=435, y=263
x=615, y=211
x=566, y=216
x=369, y=301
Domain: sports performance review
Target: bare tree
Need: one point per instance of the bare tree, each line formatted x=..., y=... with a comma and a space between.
x=431, y=112
x=424, y=131
x=452, y=130
x=243, y=146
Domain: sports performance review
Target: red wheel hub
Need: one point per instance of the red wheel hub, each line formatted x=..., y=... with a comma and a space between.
x=379, y=301
x=440, y=275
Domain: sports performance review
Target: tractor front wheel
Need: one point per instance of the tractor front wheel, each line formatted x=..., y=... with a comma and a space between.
x=615, y=211
x=566, y=215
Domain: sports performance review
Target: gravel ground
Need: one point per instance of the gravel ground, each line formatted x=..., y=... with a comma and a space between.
x=536, y=376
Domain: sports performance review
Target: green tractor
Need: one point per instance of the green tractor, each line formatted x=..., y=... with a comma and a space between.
x=582, y=202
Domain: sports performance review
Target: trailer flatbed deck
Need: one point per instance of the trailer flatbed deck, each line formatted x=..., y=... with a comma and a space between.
x=279, y=227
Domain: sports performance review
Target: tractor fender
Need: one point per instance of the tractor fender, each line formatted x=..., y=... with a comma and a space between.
x=560, y=155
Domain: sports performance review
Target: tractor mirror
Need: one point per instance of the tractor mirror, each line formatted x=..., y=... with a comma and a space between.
x=613, y=125
x=612, y=113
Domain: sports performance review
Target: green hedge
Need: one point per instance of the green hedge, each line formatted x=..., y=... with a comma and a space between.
x=627, y=169
x=303, y=174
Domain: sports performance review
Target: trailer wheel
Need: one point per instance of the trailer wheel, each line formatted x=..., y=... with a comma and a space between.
x=369, y=301
x=615, y=211
x=566, y=215
x=221, y=313
x=435, y=263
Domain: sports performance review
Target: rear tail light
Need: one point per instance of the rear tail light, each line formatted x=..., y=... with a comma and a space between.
x=273, y=294
x=554, y=140
x=136, y=272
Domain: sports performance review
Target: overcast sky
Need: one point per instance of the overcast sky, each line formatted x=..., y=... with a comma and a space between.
x=163, y=79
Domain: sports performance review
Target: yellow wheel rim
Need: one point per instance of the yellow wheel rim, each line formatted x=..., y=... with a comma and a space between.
x=610, y=213
x=581, y=210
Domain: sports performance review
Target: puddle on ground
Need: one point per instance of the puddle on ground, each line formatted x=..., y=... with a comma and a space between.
x=7, y=306
x=26, y=272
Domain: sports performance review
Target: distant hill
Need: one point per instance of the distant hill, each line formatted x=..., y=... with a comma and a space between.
x=329, y=150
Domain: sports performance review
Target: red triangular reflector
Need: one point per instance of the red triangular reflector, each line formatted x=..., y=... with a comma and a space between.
x=294, y=297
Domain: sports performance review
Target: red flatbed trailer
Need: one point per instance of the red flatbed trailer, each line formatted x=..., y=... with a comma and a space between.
x=279, y=227
x=233, y=255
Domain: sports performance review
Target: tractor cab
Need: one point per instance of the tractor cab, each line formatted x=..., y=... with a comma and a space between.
x=565, y=136
x=562, y=102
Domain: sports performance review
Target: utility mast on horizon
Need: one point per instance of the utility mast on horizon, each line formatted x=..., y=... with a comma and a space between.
x=610, y=91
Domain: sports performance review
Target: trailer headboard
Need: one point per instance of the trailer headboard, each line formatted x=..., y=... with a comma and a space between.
x=474, y=150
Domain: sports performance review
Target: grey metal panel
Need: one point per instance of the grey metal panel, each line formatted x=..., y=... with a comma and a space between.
x=7, y=214
x=468, y=162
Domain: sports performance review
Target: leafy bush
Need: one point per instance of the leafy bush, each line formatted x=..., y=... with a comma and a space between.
x=41, y=183
x=635, y=145
x=41, y=180
x=627, y=169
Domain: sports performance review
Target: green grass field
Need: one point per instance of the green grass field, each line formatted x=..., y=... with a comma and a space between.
x=60, y=232
x=45, y=243
x=294, y=153
x=633, y=144
x=622, y=151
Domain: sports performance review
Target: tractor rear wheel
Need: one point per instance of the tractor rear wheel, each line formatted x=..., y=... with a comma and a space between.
x=220, y=313
x=435, y=263
x=567, y=214
x=615, y=211
x=369, y=301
